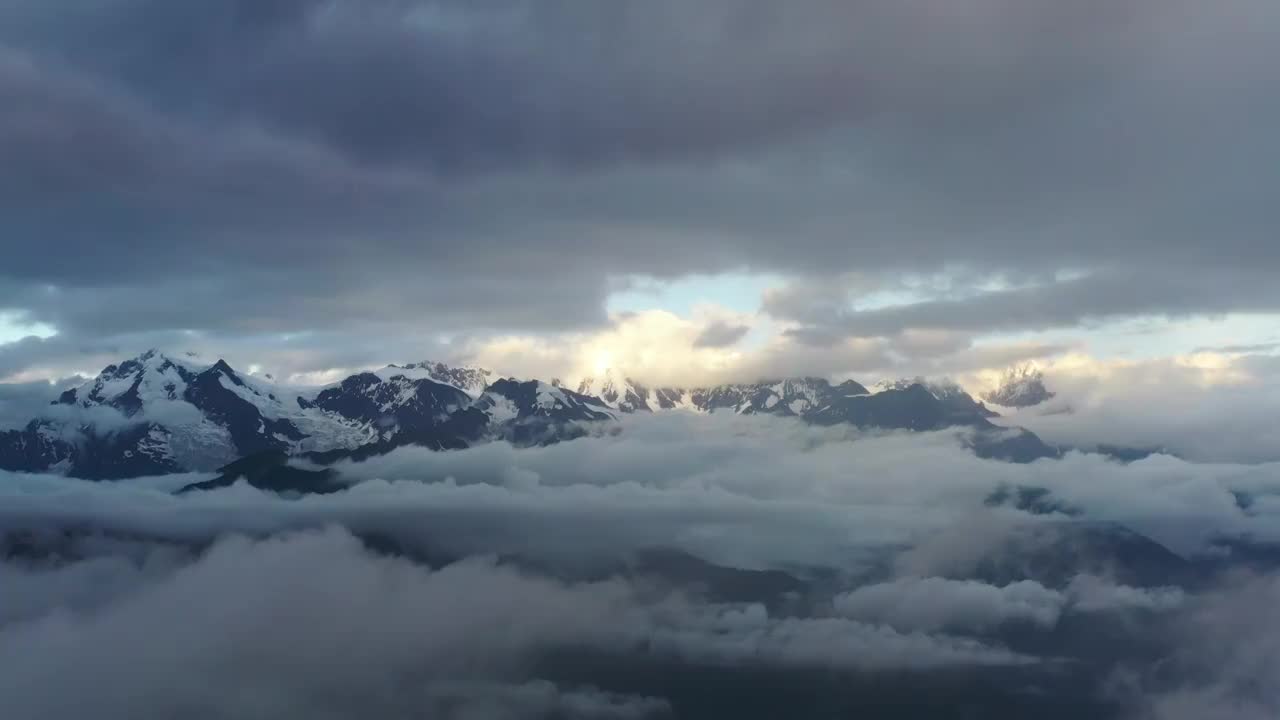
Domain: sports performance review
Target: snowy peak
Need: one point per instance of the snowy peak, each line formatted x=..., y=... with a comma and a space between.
x=953, y=397
x=133, y=384
x=903, y=383
x=392, y=403
x=508, y=399
x=1021, y=386
x=791, y=396
x=154, y=414
x=471, y=381
x=254, y=417
x=164, y=414
x=618, y=392
x=909, y=407
x=918, y=407
x=127, y=451
x=623, y=394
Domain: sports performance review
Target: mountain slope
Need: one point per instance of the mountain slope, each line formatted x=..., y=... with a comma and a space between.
x=916, y=407
x=620, y=392
x=796, y=396
x=391, y=404
x=156, y=414
x=471, y=381
x=509, y=399
x=153, y=414
x=792, y=396
x=124, y=451
x=270, y=471
x=909, y=408
x=950, y=394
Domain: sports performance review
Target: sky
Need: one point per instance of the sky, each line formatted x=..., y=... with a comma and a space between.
x=685, y=192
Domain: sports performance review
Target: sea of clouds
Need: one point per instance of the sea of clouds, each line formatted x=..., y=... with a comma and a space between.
x=513, y=582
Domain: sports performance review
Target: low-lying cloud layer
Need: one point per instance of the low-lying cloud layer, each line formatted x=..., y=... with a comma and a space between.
x=504, y=582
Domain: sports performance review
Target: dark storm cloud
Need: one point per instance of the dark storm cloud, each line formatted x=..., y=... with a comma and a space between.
x=720, y=334
x=1064, y=303
x=248, y=167
x=19, y=402
x=483, y=85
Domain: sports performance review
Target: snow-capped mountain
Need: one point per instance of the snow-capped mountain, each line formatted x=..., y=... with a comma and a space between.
x=920, y=408
x=1020, y=387
x=124, y=451
x=471, y=381
x=390, y=403
x=949, y=393
x=37, y=446
x=913, y=407
x=620, y=392
x=157, y=414
x=206, y=404
x=532, y=412
x=794, y=396
x=509, y=399
x=134, y=384
x=898, y=405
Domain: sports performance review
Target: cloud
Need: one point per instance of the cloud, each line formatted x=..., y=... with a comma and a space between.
x=284, y=621
x=1061, y=303
x=536, y=699
x=739, y=635
x=1089, y=593
x=1208, y=408
x=1248, y=349
x=932, y=604
x=1224, y=666
x=19, y=402
x=281, y=618
x=656, y=347
x=720, y=334
x=755, y=492
x=390, y=175
x=108, y=570
x=887, y=540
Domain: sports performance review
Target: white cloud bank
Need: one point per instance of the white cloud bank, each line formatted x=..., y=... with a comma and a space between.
x=893, y=525
x=314, y=625
x=747, y=491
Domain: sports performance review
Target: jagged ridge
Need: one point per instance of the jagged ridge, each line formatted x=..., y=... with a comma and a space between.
x=153, y=414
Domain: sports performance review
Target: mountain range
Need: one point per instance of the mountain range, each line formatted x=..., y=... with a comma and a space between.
x=156, y=414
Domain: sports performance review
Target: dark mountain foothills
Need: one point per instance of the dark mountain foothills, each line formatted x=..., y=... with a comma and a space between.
x=270, y=470
x=154, y=414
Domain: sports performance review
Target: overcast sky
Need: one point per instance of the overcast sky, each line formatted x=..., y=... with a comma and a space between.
x=688, y=191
